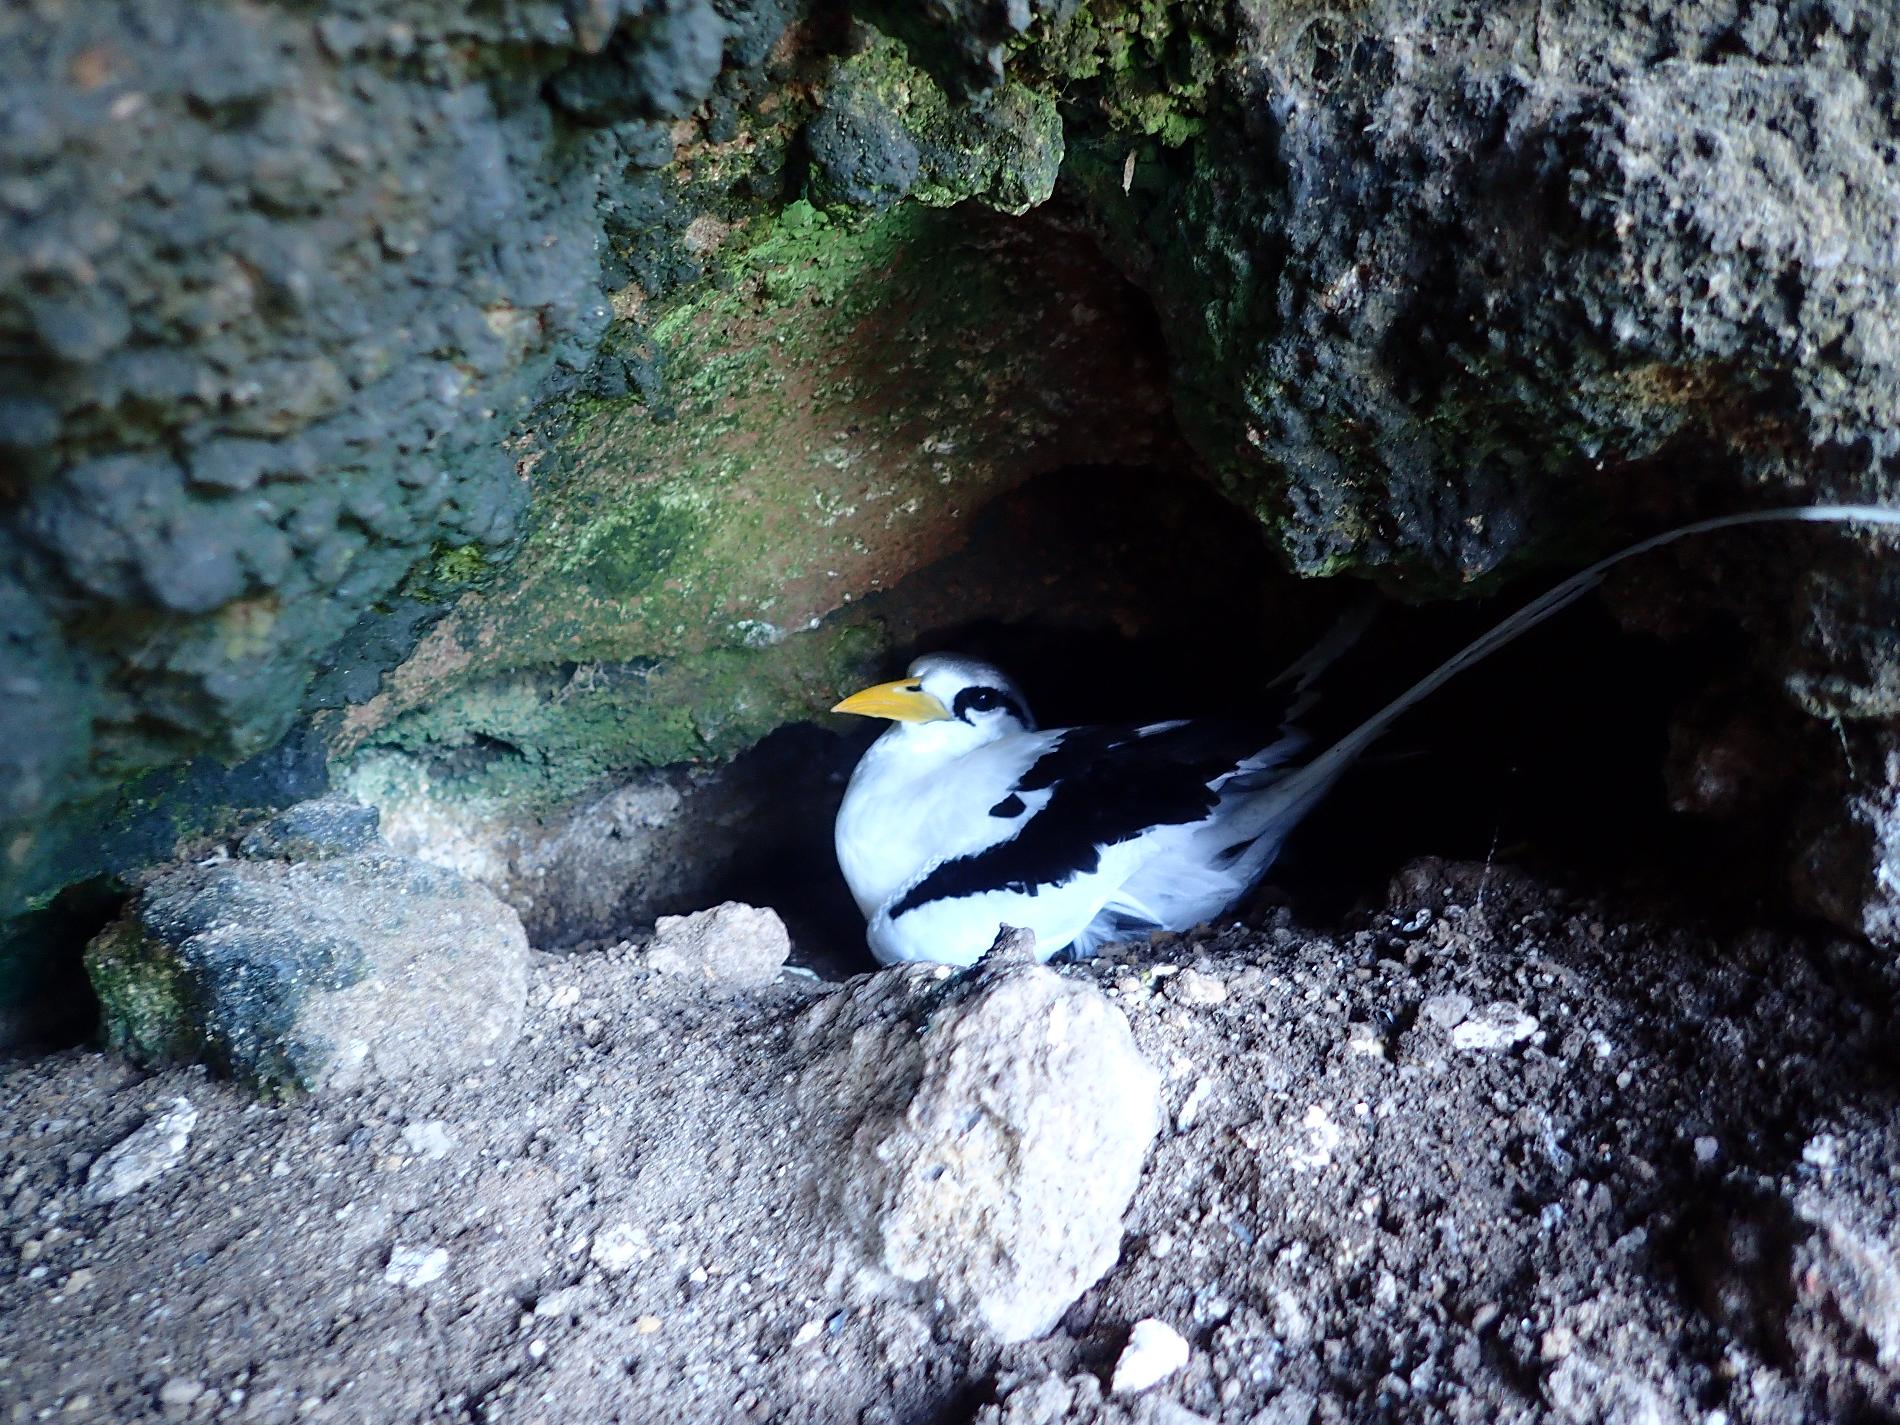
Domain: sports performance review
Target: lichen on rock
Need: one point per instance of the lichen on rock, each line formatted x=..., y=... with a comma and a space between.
x=340, y=964
x=589, y=467
x=884, y=131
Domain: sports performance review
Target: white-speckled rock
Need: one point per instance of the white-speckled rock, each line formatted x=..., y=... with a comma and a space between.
x=1002, y=1119
x=732, y=946
x=154, y=1148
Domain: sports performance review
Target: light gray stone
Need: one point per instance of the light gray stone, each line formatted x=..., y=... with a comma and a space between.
x=313, y=974
x=1001, y=1119
x=731, y=946
x=415, y=1266
x=155, y=1148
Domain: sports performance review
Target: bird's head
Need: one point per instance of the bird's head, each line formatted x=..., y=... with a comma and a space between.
x=949, y=699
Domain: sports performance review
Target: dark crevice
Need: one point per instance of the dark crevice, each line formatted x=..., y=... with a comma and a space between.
x=1148, y=601
x=49, y=1003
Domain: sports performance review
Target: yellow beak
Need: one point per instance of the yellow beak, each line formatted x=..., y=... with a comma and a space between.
x=902, y=701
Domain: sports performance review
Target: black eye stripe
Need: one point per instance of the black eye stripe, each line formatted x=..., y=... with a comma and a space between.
x=971, y=700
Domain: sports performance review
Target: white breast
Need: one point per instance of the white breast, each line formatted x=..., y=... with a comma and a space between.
x=911, y=806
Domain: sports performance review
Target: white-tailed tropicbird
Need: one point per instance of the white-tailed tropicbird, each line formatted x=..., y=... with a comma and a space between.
x=964, y=817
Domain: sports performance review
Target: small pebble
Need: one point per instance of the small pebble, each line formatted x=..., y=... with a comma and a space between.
x=1446, y=1011
x=179, y=1392
x=155, y=1148
x=1497, y=1026
x=1363, y=1038
x=415, y=1266
x=566, y=1302
x=428, y=1140
x=1191, y=987
x=619, y=1246
x=1190, y=1111
x=1155, y=1351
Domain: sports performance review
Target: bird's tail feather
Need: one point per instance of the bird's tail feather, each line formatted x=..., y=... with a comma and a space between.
x=1281, y=806
x=1347, y=630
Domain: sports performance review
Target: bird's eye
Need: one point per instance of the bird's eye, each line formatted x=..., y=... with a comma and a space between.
x=978, y=700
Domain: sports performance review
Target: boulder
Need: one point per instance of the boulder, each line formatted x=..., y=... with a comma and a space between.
x=346, y=964
x=997, y=1124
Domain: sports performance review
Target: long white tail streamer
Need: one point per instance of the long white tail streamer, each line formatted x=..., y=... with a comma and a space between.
x=1287, y=800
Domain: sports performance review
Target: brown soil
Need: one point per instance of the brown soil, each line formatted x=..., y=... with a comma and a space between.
x=1382, y=1194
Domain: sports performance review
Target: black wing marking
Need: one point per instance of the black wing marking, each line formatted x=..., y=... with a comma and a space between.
x=1107, y=785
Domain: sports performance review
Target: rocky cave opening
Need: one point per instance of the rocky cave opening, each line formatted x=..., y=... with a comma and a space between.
x=523, y=420
x=1138, y=595
x=1120, y=588
x=1084, y=543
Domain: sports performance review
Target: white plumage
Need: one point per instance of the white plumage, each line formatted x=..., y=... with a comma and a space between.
x=963, y=817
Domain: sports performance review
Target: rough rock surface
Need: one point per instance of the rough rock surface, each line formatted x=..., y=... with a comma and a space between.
x=1009, y=1113
x=345, y=964
x=1444, y=290
x=258, y=371
x=729, y=947
x=1675, y=1197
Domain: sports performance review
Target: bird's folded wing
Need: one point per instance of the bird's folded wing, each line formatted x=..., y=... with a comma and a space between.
x=1097, y=787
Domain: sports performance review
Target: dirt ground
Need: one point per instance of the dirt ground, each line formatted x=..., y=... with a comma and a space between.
x=1495, y=1152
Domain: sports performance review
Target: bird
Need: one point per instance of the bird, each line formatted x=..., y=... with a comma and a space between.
x=965, y=817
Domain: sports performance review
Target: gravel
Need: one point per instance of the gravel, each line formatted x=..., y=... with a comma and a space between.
x=1672, y=1198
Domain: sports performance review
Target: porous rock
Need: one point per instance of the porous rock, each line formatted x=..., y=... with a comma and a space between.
x=731, y=946
x=312, y=830
x=1846, y=865
x=1000, y=1120
x=312, y=973
x=884, y=131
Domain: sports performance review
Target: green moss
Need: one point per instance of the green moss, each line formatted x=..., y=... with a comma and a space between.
x=628, y=551
x=1149, y=68
x=886, y=130
x=459, y=564
x=802, y=254
x=806, y=382
x=144, y=1003
x=449, y=571
x=536, y=740
x=846, y=391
